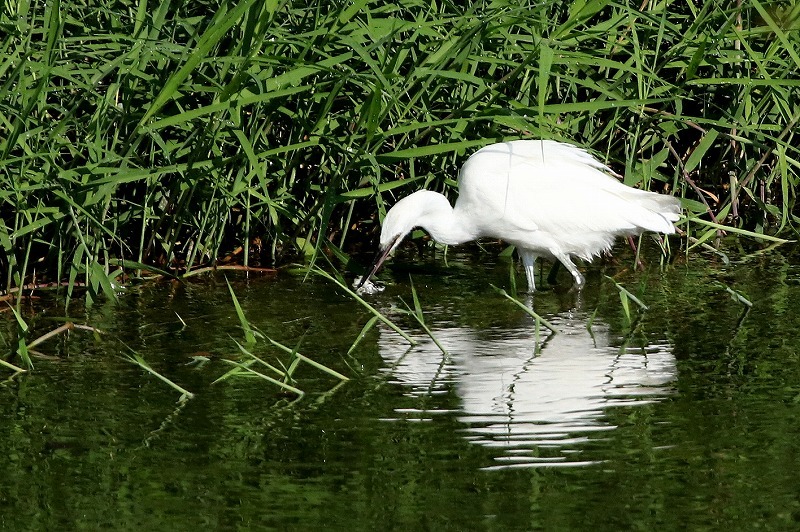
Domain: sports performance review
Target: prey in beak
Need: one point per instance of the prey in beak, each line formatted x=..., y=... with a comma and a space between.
x=364, y=285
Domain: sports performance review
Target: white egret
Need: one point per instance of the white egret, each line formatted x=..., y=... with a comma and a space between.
x=549, y=199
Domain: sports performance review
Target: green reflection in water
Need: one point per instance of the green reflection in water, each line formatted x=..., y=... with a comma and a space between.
x=415, y=441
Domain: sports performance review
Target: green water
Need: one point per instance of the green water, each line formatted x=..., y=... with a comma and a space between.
x=689, y=418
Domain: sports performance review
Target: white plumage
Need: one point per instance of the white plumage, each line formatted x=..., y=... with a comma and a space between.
x=549, y=199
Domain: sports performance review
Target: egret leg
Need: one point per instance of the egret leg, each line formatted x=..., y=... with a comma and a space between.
x=529, y=262
x=569, y=265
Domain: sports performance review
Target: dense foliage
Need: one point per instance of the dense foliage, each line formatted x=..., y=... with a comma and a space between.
x=176, y=134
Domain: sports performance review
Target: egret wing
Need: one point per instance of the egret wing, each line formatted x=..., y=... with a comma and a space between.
x=524, y=186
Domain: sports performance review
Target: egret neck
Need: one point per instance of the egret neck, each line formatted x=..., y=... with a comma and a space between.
x=428, y=210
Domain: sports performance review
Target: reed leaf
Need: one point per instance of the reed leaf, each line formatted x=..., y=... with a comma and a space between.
x=246, y=368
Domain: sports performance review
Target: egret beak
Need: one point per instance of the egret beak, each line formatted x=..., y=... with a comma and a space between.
x=377, y=262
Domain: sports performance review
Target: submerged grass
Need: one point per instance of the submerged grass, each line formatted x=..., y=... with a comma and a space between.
x=249, y=335
x=137, y=359
x=417, y=314
x=625, y=299
x=376, y=314
x=283, y=376
x=528, y=310
x=139, y=137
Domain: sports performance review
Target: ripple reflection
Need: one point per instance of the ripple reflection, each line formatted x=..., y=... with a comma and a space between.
x=537, y=409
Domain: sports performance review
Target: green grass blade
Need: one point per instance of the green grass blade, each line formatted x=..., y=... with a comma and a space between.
x=22, y=334
x=743, y=232
x=527, y=310
x=248, y=369
x=367, y=327
x=307, y=360
x=11, y=366
x=249, y=334
x=625, y=296
x=366, y=305
x=738, y=296
x=135, y=358
x=417, y=314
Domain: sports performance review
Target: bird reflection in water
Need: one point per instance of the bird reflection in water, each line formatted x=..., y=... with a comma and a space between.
x=537, y=408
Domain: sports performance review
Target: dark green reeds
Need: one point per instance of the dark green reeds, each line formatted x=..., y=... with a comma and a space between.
x=138, y=135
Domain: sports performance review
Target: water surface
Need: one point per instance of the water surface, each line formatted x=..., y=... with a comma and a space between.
x=686, y=418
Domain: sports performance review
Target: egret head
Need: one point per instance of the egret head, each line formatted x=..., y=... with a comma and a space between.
x=420, y=209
